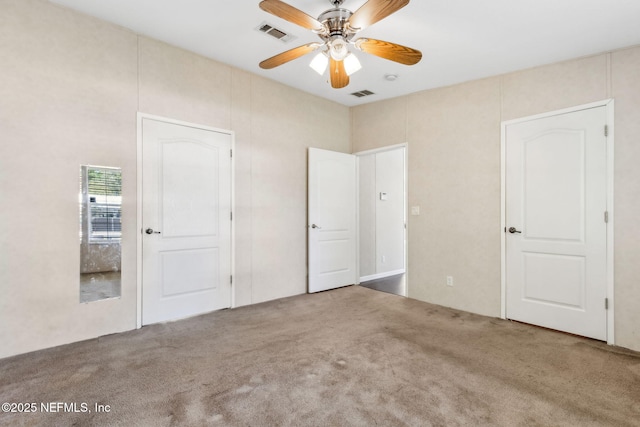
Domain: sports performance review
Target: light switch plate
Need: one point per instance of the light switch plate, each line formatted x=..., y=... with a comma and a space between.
x=415, y=210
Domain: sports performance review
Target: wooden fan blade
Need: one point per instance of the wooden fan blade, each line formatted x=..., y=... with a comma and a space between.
x=339, y=77
x=291, y=14
x=391, y=51
x=373, y=11
x=290, y=55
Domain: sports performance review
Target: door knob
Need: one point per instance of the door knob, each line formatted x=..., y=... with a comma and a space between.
x=315, y=226
x=513, y=230
x=150, y=231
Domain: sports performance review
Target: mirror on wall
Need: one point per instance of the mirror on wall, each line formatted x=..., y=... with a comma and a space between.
x=100, y=232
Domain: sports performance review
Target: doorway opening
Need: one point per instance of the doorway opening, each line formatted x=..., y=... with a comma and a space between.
x=382, y=218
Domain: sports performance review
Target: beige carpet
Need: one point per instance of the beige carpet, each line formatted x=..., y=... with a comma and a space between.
x=349, y=357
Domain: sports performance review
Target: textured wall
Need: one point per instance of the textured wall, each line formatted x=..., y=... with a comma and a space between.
x=625, y=87
x=454, y=174
x=390, y=231
x=367, y=214
x=71, y=88
x=68, y=97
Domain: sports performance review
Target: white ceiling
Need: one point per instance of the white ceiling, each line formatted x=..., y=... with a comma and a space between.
x=461, y=40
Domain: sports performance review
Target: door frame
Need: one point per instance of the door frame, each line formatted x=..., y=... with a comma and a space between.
x=609, y=105
x=139, y=224
x=358, y=154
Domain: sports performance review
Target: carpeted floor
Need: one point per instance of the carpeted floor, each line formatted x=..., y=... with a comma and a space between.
x=348, y=357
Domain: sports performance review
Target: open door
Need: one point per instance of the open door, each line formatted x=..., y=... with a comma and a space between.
x=332, y=220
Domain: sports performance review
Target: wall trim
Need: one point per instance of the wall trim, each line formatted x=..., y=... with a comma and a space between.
x=139, y=225
x=609, y=104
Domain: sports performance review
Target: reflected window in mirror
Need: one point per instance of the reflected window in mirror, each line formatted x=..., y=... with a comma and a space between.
x=100, y=232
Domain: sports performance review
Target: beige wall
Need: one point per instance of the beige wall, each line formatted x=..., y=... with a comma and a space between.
x=71, y=88
x=625, y=89
x=367, y=215
x=454, y=174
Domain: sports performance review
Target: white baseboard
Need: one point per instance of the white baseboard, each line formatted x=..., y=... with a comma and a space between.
x=381, y=275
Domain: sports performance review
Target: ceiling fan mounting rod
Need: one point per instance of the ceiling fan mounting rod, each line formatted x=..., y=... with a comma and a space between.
x=336, y=3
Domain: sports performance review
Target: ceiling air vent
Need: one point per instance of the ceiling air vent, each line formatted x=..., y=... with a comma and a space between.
x=362, y=93
x=275, y=32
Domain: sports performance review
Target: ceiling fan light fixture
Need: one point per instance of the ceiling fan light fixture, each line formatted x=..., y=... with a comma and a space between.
x=351, y=64
x=338, y=49
x=319, y=63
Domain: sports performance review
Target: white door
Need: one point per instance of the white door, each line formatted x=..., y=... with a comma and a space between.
x=186, y=208
x=332, y=219
x=556, y=194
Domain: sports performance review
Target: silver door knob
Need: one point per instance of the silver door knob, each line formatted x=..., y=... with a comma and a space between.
x=315, y=226
x=513, y=230
x=150, y=231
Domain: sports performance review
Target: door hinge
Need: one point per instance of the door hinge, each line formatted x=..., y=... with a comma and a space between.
x=230, y=153
x=231, y=215
x=231, y=279
x=606, y=130
x=606, y=303
x=606, y=217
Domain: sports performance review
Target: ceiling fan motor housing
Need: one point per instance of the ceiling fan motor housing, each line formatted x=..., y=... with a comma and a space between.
x=336, y=23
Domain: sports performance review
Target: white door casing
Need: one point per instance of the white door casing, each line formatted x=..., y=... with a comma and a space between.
x=186, y=208
x=555, y=200
x=331, y=220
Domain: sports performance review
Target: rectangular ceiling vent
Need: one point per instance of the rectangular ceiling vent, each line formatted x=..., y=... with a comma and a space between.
x=275, y=32
x=362, y=93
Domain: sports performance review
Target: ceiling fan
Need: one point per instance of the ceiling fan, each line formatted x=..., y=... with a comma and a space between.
x=337, y=27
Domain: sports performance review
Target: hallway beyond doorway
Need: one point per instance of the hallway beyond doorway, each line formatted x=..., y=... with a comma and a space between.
x=395, y=284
